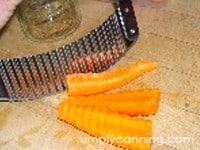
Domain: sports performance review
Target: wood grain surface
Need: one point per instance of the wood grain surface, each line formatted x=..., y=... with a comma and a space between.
x=169, y=34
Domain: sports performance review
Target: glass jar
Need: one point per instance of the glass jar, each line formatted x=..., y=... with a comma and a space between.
x=45, y=20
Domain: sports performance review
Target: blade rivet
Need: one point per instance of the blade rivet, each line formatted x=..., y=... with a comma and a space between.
x=132, y=31
x=126, y=10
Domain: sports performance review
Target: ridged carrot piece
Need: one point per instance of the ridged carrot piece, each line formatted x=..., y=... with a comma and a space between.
x=93, y=83
x=109, y=125
x=139, y=102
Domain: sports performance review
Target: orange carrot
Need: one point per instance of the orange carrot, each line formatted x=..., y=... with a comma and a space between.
x=139, y=102
x=115, y=128
x=157, y=1
x=93, y=83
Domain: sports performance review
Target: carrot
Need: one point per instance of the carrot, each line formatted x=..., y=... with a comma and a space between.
x=94, y=83
x=139, y=102
x=115, y=128
x=157, y=1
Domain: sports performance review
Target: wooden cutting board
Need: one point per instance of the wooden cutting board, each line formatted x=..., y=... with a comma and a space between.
x=169, y=34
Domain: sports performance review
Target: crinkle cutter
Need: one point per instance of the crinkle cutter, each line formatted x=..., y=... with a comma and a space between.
x=44, y=74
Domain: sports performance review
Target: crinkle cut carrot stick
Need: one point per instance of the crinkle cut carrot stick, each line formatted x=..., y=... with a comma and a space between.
x=93, y=83
x=108, y=125
x=139, y=102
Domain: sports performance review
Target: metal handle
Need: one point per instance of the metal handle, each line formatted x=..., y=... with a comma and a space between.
x=130, y=27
